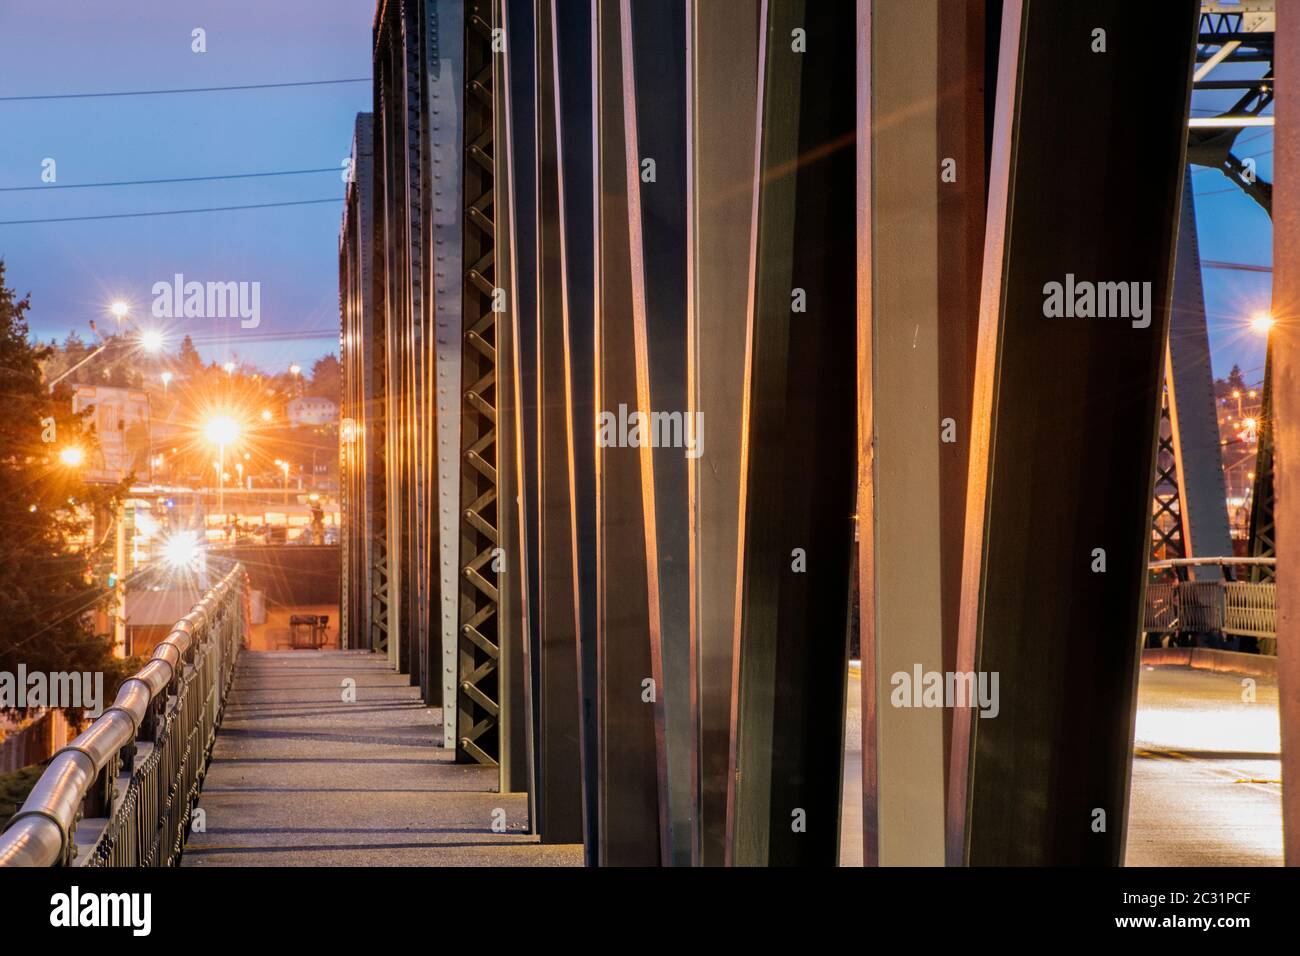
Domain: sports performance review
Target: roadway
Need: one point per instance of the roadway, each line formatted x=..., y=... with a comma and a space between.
x=1206, y=785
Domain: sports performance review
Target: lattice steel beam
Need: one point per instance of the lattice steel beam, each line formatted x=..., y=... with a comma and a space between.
x=480, y=629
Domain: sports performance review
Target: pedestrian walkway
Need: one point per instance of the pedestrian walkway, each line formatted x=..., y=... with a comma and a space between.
x=301, y=776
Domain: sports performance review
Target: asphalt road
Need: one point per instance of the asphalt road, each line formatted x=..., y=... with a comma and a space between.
x=1206, y=785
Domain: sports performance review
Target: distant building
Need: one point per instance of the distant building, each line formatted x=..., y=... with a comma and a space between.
x=121, y=420
x=312, y=411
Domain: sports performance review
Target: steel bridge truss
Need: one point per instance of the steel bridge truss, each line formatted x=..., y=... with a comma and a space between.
x=653, y=643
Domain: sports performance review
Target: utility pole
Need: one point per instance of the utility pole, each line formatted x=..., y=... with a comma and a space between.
x=119, y=583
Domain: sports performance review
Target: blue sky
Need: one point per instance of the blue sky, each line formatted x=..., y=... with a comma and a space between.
x=1231, y=227
x=74, y=269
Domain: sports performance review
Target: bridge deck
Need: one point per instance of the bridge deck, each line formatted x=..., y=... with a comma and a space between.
x=299, y=777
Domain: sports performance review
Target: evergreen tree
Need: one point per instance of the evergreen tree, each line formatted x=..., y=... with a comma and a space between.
x=45, y=508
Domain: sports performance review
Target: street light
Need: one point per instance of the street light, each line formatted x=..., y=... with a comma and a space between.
x=72, y=456
x=284, y=467
x=120, y=310
x=151, y=341
x=221, y=430
x=166, y=380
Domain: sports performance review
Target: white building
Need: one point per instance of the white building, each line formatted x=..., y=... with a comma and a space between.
x=312, y=411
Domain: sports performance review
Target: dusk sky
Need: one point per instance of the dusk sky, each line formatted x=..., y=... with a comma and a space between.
x=74, y=269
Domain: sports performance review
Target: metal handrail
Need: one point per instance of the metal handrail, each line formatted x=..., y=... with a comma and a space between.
x=1228, y=608
x=42, y=832
x=1221, y=562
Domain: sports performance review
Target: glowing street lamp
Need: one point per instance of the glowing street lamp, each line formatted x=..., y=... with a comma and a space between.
x=166, y=380
x=221, y=430
x=72, y=456
x=284, y=467
x=266, y=414
x=181, y=550
x=120, y=310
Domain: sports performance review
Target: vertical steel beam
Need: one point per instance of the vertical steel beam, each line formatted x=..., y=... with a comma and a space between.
x=559, y=795
x=1192, y=407
x=512, y=221
x=356, y=317
x=722, y=97
x=628, y=807
x=1065, y=417
x=389, y=281
x=446, y=92
x=419, y=319
x=654, y=113
x=920, y=241
x=575, y=169
x=799, y=446
x=1285, y=350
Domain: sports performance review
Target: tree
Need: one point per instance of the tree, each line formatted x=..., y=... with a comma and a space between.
x=189, y=360
x=326, y=378
x=1223, y=388
x=44, y=507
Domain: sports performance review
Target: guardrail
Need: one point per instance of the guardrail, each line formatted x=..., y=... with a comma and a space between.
x=1226, y=607
x=131, y=779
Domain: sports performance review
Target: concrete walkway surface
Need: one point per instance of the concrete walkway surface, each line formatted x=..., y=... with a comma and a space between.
x=299, y=777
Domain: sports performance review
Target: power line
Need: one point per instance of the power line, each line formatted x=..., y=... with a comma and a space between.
x=168, y=212
x=181, y=179
x=192, y=89
x=1240, y=266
